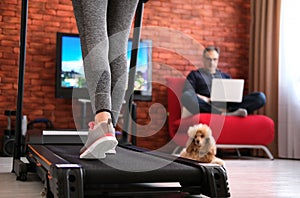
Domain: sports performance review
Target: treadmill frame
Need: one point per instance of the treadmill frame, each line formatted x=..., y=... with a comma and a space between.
x=64, y=179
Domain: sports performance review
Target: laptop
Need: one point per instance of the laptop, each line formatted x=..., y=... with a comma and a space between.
x=227, y=90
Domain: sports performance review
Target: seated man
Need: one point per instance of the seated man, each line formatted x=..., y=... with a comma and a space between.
x=196, y=92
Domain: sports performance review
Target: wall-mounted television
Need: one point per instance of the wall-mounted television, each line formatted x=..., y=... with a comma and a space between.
x=70, y=73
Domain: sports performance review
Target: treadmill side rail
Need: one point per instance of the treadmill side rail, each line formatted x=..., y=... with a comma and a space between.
x=214, y=185
x=66, y=180
x=217, y=182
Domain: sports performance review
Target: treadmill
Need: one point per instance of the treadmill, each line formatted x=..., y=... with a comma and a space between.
x=131, y=171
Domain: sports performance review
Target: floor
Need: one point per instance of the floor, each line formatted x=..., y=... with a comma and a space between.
x=248, y=177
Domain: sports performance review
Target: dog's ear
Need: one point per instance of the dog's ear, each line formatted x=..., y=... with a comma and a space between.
x=189, y=142
x=209, y=132
x=189, y=148
x=192, y=131
x=213, y=150
x=212, y=141
x=207, y=128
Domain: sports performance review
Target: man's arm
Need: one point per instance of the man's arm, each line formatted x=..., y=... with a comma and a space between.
x=191, y=84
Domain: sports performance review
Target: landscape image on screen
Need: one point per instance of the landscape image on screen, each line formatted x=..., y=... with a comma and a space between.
x=72, y=72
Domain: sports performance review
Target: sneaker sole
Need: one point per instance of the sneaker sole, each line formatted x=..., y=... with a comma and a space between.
x=99, y=148
x=111, y=151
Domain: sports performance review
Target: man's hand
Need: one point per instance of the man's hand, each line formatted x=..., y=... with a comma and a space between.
x=206, y=99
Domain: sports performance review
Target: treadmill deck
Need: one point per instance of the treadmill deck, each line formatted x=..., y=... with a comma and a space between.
x=128, y=168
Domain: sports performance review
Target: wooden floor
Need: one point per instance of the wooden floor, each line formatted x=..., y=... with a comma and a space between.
x=248, y=177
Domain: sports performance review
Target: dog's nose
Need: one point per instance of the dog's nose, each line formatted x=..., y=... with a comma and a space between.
x=197, y=141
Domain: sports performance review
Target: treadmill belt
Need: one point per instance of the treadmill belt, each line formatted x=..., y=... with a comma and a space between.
x=128, y=166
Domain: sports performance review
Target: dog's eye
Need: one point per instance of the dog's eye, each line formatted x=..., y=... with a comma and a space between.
x=202, y=136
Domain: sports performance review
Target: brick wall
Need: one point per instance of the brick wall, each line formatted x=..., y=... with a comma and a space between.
x=178, y=29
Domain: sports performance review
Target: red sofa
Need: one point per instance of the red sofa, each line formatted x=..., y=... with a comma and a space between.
x=253, y=131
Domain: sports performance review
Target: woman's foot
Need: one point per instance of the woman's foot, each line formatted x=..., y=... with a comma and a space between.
x=91, y=127
x=101, y=140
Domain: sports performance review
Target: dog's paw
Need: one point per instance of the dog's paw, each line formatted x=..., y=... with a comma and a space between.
x=218, y=161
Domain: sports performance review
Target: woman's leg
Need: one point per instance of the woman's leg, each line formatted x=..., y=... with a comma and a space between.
x=92, y=26
x=91, y=18
x=119, y=19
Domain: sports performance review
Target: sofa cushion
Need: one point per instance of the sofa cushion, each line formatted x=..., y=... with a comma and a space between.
x=253, y=129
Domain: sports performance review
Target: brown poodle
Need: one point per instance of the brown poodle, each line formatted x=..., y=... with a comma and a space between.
x=201, y=145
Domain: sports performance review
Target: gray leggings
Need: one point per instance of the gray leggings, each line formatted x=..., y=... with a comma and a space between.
x=104, y=27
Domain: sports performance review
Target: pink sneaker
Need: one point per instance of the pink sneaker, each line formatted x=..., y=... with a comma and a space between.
x=91, y=127
x=101, y=140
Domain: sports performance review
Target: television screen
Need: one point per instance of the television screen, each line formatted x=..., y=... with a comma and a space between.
x=70, y=78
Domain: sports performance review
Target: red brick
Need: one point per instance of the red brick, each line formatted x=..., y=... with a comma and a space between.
x=10, y=13
x=63, y=13
x=11, y=20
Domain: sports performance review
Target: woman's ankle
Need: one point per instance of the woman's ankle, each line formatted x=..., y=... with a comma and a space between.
x=102, y=117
